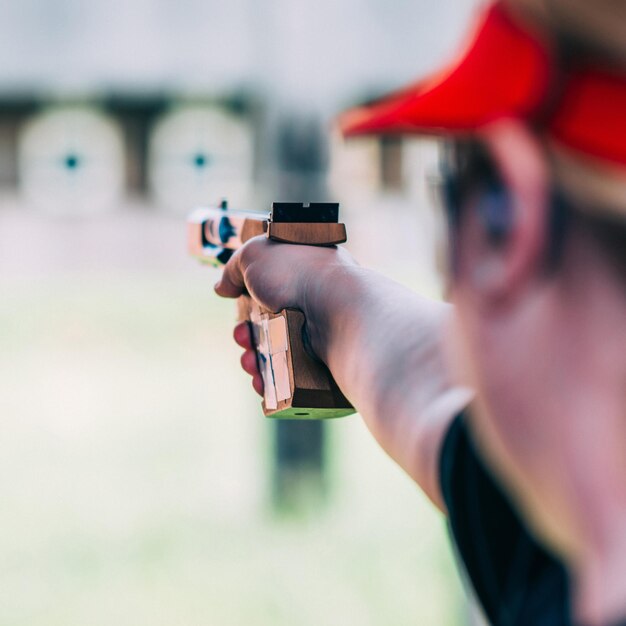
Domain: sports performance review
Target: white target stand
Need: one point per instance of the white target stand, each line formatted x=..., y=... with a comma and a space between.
x=71, y=162
x=198, y=155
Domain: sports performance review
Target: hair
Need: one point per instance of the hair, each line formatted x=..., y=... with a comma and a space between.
x=469, y=173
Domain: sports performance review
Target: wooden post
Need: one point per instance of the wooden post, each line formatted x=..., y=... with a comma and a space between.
x=299, y=446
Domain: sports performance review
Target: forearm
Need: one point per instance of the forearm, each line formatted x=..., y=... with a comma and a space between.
x=386, y=348
x=375, y=335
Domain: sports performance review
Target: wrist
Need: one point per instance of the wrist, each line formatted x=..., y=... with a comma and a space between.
x=327, y=297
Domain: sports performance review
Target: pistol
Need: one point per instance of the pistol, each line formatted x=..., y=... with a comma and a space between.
x=297, y=385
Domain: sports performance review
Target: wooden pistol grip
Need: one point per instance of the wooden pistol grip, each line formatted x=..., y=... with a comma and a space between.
x=296, y=385
x=309, y=234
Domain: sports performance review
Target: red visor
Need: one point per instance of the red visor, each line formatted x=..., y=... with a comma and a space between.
x=508, y=71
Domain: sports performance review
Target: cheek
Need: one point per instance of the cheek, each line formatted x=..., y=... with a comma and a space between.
x=488, y=358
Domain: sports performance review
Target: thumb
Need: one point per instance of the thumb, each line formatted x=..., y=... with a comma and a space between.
x=231, y=285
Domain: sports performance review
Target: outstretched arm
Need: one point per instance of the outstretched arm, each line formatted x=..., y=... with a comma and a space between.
x=385, y=345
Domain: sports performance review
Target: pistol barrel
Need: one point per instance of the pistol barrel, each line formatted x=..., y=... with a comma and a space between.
x=214, y=233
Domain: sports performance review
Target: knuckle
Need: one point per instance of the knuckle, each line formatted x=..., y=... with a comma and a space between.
x=251, y=250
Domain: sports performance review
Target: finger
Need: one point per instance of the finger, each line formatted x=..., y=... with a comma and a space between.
x=257, y=383
x=249, y=363
x=231, y=285
x=242, y=336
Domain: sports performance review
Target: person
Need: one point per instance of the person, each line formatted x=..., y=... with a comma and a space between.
x=508, y=404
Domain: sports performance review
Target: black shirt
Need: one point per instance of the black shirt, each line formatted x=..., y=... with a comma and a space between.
x=516, y=580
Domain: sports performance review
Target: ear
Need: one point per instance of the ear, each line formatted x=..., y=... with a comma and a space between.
x=498, y=271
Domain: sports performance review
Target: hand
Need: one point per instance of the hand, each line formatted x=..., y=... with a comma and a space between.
x=280, y=276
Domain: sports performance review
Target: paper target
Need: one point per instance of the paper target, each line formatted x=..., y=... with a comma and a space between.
x=198, y=155
x=71, y=161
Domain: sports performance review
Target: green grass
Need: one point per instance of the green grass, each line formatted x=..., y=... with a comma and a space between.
x=135, y=468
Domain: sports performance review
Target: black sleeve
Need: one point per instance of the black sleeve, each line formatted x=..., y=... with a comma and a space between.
x=515, y=579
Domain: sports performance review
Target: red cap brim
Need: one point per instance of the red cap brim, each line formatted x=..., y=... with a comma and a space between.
x=504, y=72
x=507, y=71
x=591, y=116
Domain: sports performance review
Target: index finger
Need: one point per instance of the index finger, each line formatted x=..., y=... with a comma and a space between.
x=231, y=284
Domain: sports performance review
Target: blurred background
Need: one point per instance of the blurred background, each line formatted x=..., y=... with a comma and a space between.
x=139, y=482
